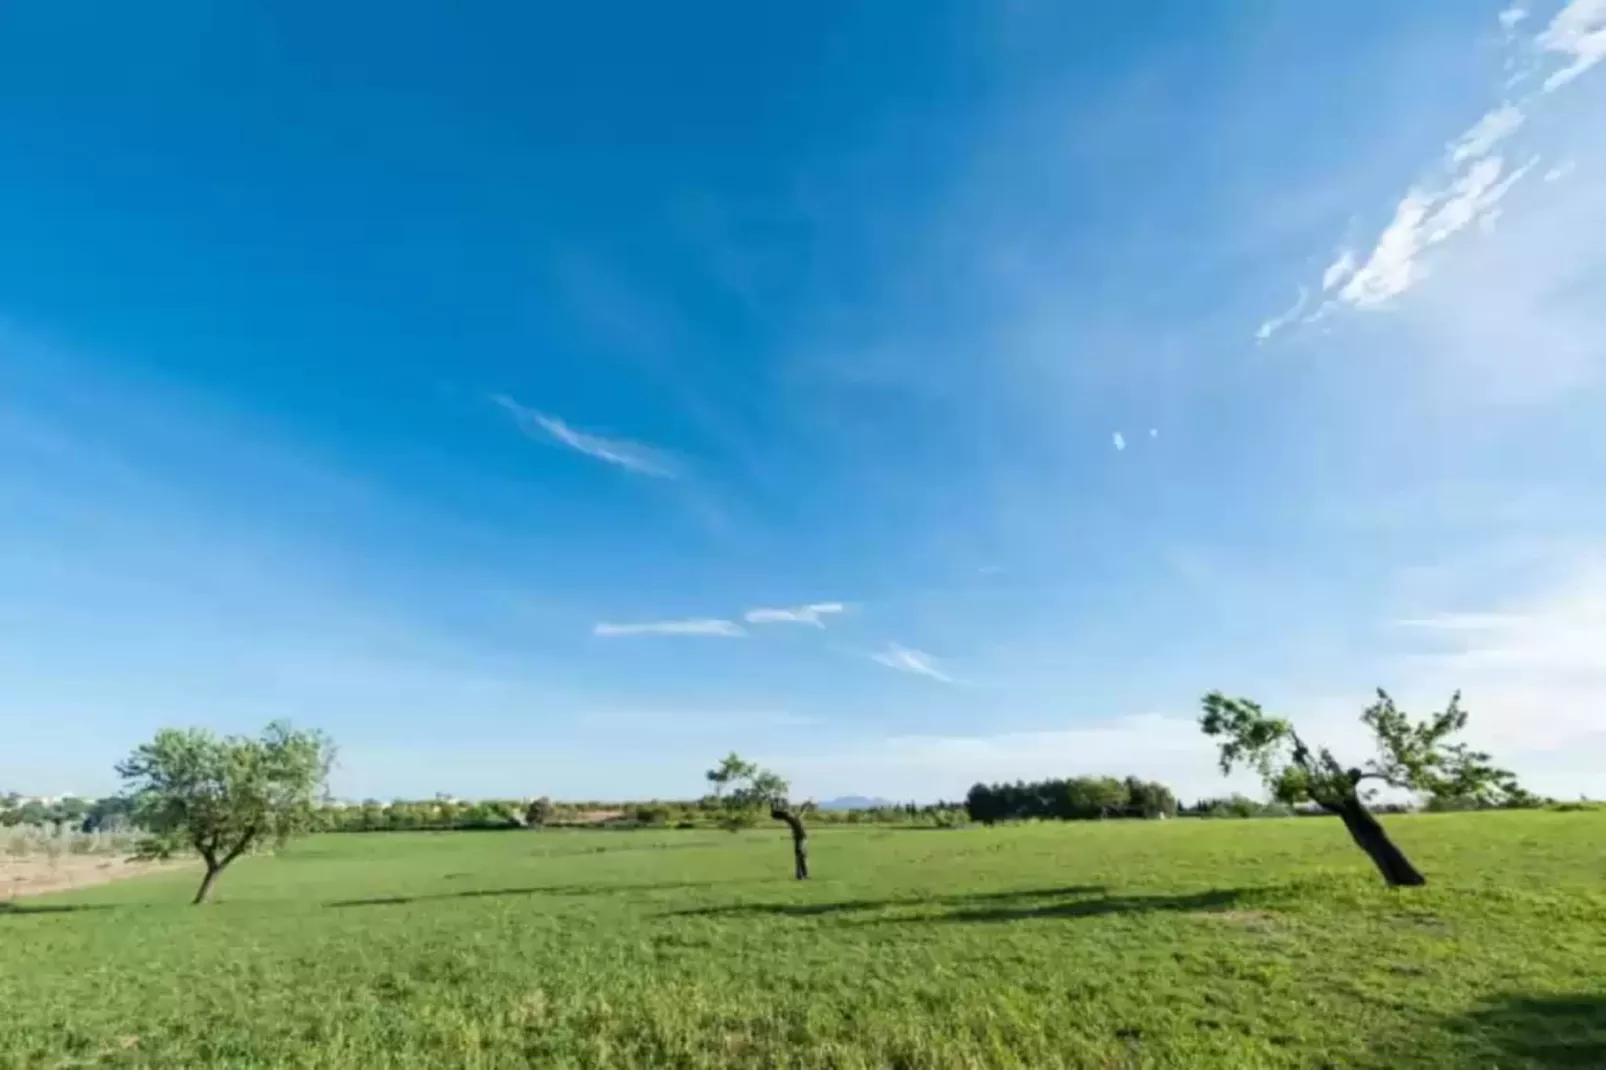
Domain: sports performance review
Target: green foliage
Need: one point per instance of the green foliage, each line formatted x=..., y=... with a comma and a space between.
x=109, y=814
x=221, y=796
x=1241, y=806
x=1073, y=799
x=652, y=815
x=1053, y=946
x=747, y=793
x=1415, y=756
x=730, y=771
x=539, y=812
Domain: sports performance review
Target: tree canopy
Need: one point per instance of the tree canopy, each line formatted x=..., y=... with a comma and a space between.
x=1415, y=756
x=222, y=796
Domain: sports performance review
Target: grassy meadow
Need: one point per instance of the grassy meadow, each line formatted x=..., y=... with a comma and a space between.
x=1121, y=944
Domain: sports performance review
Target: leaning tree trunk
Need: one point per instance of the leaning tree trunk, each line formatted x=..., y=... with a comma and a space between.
x=207, y=881
x=800, y=840
x=1370, y=836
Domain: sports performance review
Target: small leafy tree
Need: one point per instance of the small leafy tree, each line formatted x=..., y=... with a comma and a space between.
x=731, y=771
x=222, y=796
x=1412, y=756
x=539, y=812
x=746, y=791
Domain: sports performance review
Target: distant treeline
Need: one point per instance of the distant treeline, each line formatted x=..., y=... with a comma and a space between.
x=373, y=815
x=1070, y=799
x=85, y=815
x=1074, y=798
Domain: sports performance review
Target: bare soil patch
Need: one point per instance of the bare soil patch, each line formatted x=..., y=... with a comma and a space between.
x=35, y=876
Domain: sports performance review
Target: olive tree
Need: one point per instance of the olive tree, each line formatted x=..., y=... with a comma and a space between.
x=220, y=796
x=745, y=790
x=1415, y=756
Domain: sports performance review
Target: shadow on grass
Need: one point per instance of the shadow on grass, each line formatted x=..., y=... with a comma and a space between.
x=1016, y=899
x=1220, y=899
x=1548, y=1032
x=550, y=889
x=11, y=907
x=1071, y=902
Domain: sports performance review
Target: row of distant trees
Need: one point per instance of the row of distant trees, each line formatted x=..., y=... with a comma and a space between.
x=1070, y=799
x=711, y=811
x=109, y=814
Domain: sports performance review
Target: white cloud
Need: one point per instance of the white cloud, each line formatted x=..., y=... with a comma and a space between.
x=1119, y=440
x=1486, y=133
x=1474, y=195
x=1578, y=32
x=696, y=626
x=913, y=661
x=1284, y=318
x=1154, y=432
x=1434, y=210
x=616, y=451
x=1426, y=218
x=1392, y=268
x=1560, y=171
x=1339, y=270
x=809, y=614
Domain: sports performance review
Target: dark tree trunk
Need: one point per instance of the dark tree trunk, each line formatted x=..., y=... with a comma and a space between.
x=207, y=881
x=1370, y=836
x=800, y=841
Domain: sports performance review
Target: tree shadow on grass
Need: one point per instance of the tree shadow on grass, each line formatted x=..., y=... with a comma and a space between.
x=10, y=907
x=1218, y=899
x=1538, y=1032
x=852, y=906
x=549, y=889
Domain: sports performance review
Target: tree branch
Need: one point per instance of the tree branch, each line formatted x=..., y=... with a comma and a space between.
x=238, y=849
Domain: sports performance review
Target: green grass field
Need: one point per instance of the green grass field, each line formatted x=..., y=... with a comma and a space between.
x=1122, y=944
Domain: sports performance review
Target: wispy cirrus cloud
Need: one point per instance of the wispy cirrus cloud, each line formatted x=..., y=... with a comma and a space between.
x=696, y=626
x=1578, y=32
x=1486, y=133
x=1466, y=185
x=902, y=658
x=1560, y=171
x=812, y=614
x=632, y=456
x=1285, y=317
x=1424, y=218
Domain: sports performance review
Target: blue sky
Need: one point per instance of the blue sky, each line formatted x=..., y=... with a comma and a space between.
x=906, y=394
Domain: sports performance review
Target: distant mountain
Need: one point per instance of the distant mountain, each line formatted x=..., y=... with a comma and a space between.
x=855, y=802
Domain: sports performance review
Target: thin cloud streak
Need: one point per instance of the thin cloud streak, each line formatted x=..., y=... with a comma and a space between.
x=810, y=614
x=1434, y=210
x=1284, y=318
x=917, y=662
x=698, y=626
x=632, y=456
x=1578, y=31
x=1486, y=133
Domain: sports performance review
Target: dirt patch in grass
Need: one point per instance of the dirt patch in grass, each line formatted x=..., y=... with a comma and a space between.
x=35, y=876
